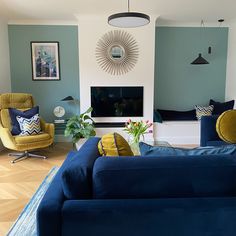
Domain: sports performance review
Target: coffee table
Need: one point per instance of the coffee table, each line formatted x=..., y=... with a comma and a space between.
x=158, y=143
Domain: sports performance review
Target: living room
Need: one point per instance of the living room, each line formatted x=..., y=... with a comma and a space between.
x=66, y=57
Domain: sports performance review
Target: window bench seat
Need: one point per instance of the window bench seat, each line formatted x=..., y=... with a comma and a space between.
x=177, y=132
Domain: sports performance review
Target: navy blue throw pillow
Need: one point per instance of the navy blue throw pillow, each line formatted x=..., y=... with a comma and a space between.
x=220, y=107
x=25, y=114
x=158, y=151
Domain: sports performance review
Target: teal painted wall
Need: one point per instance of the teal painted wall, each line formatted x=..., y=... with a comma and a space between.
x=179, y=85
x=47, y=94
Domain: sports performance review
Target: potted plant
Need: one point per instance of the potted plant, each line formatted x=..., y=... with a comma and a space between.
x=80, y=128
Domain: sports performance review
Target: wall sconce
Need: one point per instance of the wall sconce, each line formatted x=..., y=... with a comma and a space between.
x=200, y=60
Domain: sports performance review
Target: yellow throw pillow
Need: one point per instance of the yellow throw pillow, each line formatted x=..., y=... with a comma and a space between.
x=226, y=126
x=113, y=144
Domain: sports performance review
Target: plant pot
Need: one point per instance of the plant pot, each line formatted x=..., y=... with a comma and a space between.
x=80, y=143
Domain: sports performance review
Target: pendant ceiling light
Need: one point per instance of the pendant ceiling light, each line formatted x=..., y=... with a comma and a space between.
x=128, y=19
x=200, y=60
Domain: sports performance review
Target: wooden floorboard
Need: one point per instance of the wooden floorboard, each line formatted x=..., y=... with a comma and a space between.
x=19, y=181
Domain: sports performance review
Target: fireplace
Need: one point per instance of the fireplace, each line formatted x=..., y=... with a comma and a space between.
x=117, y=101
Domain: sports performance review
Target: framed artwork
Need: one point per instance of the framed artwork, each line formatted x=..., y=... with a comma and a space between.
x=45, y=61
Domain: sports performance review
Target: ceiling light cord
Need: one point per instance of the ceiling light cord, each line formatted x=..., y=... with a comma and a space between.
x=128, y=6
x=200, y=60
x=202, y=23
x=202, y=33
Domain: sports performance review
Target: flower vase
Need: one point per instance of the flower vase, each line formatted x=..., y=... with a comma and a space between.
x=134, y=143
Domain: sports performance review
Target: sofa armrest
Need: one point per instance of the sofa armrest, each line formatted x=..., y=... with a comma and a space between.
x=208, y=130
x=49, y=210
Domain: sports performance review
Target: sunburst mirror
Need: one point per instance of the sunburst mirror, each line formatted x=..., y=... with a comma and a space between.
x=117, y=52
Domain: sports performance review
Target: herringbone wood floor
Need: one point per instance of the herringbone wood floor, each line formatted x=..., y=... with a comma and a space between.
x=19, y=181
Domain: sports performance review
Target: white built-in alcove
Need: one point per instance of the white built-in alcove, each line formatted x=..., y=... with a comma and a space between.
x=91, y=29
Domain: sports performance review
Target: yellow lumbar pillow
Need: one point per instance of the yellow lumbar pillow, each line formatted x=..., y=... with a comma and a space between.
x=226, y=126
x=113, y=144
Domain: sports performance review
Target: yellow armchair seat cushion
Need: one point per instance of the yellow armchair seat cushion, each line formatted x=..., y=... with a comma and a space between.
x=113, y=144
x=226, y=126
x=31, y=138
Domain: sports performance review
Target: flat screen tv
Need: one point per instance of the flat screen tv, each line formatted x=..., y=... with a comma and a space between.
x=117, y=101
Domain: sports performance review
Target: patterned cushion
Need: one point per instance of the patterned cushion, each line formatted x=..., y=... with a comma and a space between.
x=29, y=126
x=203, y=111
x=23, y=113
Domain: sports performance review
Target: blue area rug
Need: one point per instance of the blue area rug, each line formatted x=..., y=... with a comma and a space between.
x=25, y=225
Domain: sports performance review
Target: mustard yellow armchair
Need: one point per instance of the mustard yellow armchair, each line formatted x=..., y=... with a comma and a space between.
x=22, y=144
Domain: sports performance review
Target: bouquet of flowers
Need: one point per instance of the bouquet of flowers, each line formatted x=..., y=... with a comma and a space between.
x=137, y=129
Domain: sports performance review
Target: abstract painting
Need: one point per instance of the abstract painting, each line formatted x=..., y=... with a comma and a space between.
x=45, y=61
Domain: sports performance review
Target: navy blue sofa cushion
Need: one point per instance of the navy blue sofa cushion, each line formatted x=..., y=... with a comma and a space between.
x=77, y=176
x=26, y=114
x=150, y=217
x=171, y=115
x=220, y=107
x=164, y=177
x=157, y=151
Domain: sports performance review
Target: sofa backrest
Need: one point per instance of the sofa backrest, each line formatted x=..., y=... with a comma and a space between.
x=77, y=171
x=164, y=177
x=21, y=101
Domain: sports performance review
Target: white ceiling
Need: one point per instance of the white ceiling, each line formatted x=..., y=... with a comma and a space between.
x=169, y=10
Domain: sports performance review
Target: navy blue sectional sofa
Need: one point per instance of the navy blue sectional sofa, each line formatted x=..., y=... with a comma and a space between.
x=141, y=196
x=208, y=134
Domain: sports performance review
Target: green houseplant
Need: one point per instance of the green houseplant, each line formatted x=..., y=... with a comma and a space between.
x=80, y=127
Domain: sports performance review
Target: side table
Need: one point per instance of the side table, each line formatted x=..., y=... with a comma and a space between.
x=60, y=127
